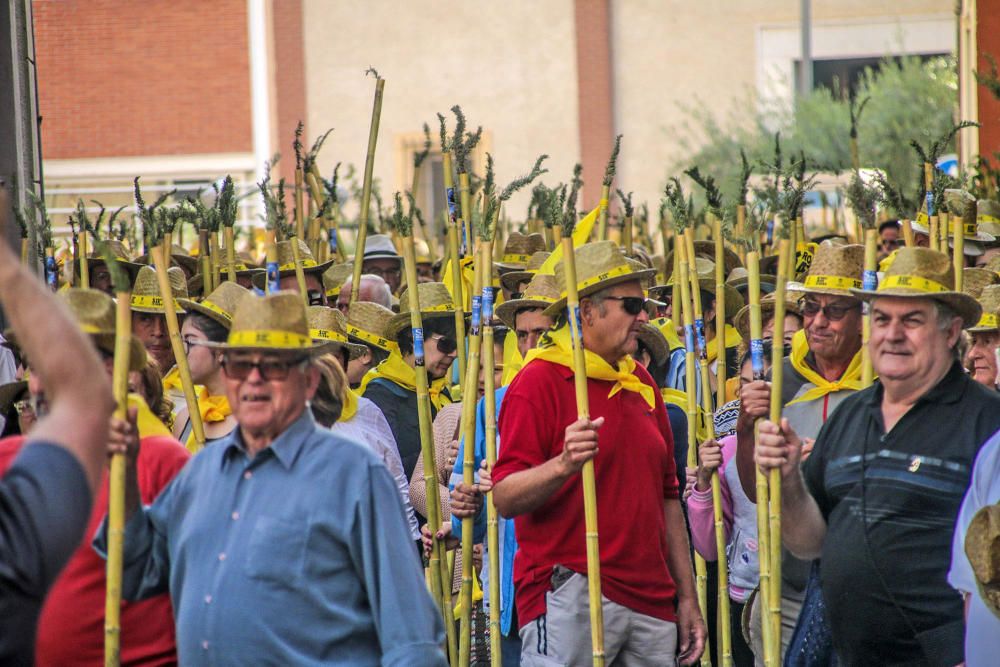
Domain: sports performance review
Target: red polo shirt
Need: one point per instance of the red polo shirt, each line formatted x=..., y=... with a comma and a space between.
x=635, y=473
x=71, y=627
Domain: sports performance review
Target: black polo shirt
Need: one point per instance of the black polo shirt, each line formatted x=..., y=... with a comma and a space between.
x=908, y=485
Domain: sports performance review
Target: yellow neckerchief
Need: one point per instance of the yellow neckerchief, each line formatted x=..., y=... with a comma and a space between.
x=556, y=348
x=467, y=273
x=512, y=359
x=396, y=370
x=213, y=409
x=884, y=265
x=350, y=408
x=733, y=339
x=146, y=422
x=850, y=381
x=172, y=380
x=679, y=398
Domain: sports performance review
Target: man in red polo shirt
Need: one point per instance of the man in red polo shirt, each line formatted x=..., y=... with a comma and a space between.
x=645, y=557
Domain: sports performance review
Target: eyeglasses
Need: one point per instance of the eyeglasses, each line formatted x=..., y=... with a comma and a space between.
x=188, y=343
x=832, y=311
x=445, y=344
x=633, y=305
x=269, y=369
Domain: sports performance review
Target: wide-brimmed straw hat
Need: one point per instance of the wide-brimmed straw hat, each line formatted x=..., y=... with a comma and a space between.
x=380, y=246
x=327, y=325
x=835, y=270
x=178, y=257
x=94, y=311
x=706, y=249
x=989, y=299
x=767, y=305
x=706, y=281
x=146, y=297
x=273, y=322
x=286, y=263
x=599, y=265
x=335, y=277
x=988, y=217
x=12, y=392
x=982, y=548
x=975, y=280
x=435, y=303
x=739, y=279
x=926, y=274
x=367, y=323
x=518, y=249
x=510, y=279
x=120, y=253
x=541, y=292
x=651, y=336
x=220, y=304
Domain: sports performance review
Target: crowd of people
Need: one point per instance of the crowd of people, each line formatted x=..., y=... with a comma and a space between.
x=299, y=533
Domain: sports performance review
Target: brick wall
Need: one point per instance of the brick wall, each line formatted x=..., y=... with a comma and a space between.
x=289, y=82
x=593, y=63
x=988, y=38
x=156, y=77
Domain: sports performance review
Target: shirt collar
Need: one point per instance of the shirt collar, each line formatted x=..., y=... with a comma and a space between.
x=286, y=447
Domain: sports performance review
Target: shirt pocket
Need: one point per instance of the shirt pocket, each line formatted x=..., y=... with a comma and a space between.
x=276, y=550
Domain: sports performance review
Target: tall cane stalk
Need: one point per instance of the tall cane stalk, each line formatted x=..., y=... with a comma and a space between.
x=454, y=251
x=609, y=177
x=863, y=199
x=958, y=258
x=116, y=478
x=366, y=190
x=492, y=518
x=403, y=226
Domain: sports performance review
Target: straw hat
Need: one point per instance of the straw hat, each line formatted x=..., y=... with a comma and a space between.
x=993, y=264
x=379, y=246
x=367, y=322
x=651, y=336
x=512, y=278
x=599, y=265
x=12, y=392
x=335, y=277
x=146, y=296
x=990, y=301
x=988, y=216
x=327, y=325
x=119, y=251
x=518, y=250
x=541, y=292
x=767, y=304
x=982, y=547
x=273, y=322
x=964, y=204
x=706, y=249
x=220, y=304
x=421, y=252
x=94, y=311
x=435, y=303
x=706, y=281
x=178, y=257
x=835, y=270
x=739, y=278
x=286, y=262
x=927, y=274
x=974, y=280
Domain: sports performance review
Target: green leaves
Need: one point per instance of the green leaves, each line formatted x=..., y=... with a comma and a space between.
x=863, y=199
x=610, y=169
x=119, y=277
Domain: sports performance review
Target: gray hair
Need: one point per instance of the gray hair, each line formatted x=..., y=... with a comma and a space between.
x=380, y=292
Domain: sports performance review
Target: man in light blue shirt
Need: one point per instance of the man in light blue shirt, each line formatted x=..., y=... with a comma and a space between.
x=281, y=543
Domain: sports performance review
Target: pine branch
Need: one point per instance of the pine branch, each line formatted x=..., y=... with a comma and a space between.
x=226, y=205
x=569, y=213
x=863, y=198
x=297, y=145
x=681, y=209
x=419, y=157
x=313, y=154
x=402, y=223
x=443, y=134
x=855, y=111
x=612, y=167
x=713, y=196
x=744, y=181
x=626, y=200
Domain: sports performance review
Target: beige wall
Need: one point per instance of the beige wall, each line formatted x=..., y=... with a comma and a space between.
x=510, y=65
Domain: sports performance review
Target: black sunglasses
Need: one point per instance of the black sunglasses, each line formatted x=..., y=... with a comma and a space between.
x=445, y=344
x=832, y=311
x=269, y=369
x=633, y=305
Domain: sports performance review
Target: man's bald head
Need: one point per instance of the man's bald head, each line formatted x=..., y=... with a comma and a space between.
x=373, y=288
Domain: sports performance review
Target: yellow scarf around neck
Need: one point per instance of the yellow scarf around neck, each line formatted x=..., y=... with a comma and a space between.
x=850, y=381
x=512, y=359
x=146, y=422
x=558, y=350
x=733, y=339
x=350, y=409
x=396, y=370
x=172, y=380
x=212, y=409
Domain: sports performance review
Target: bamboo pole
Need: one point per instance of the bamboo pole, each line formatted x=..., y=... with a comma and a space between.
x=627, y=236
x=465, y=200
x=230, y=238
x=116, y=485
x=205, y=258
x=602, y=215
x=159, y=256
x=213, y=238
x=763, y=527
x=84, y=265
x=428, y=236
x=492, y=518
x=908, y=239
x=366, y=189
x=944, y=227
x=457, y=291
x=336, y=245
x=300, y=275
x=587, y=473
x=741, y=222
x=869, y=281
x=958, y=258
x=25, y=250
x=720, y=311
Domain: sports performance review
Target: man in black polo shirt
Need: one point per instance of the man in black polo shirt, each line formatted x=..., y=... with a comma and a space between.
x=45, y=496
x=878, y=497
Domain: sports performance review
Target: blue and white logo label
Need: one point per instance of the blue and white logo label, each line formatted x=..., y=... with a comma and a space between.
x=757, y=358
x=418, y=346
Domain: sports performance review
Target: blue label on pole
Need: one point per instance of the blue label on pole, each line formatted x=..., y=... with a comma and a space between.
x=869, y=281
x=273, y=283
x=487, y=304
x=689, y=338
x=575, y=329
x=757, y=358
x=452, y=208
x=51, y=274
x=333, y=241
x=930, y=203
x=465, y=243
x=699, y=332
x=477, y=311
x=418, y=346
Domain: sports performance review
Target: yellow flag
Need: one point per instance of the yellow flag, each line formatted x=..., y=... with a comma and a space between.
x=581, y=234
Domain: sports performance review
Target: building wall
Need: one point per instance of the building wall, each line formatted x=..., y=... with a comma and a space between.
x=158, y=77
x=988, y=16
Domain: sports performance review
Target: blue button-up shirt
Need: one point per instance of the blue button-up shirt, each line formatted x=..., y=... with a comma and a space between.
x=297, y=556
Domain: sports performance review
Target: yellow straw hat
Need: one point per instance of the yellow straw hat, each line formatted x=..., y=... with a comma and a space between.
x=273, y=322
x=982, y=548
x=220, y=304
x=706, y=281
x=706, y=249
x=179, y=257
x=990, y=301
x=286, y=261
x=146, y=297
x=327, y=325
x=598, y=265
x=435, y=303
x=335, y=277
x=524, y=274
x=767, y=303
x=835, y=270
x=541, y=292
x=367, y=322
x=926, y=274
x=988, y=216
x=518, y=250
x=94, y=311
x=975, y=280
x=121, y=254
x=651, y=336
